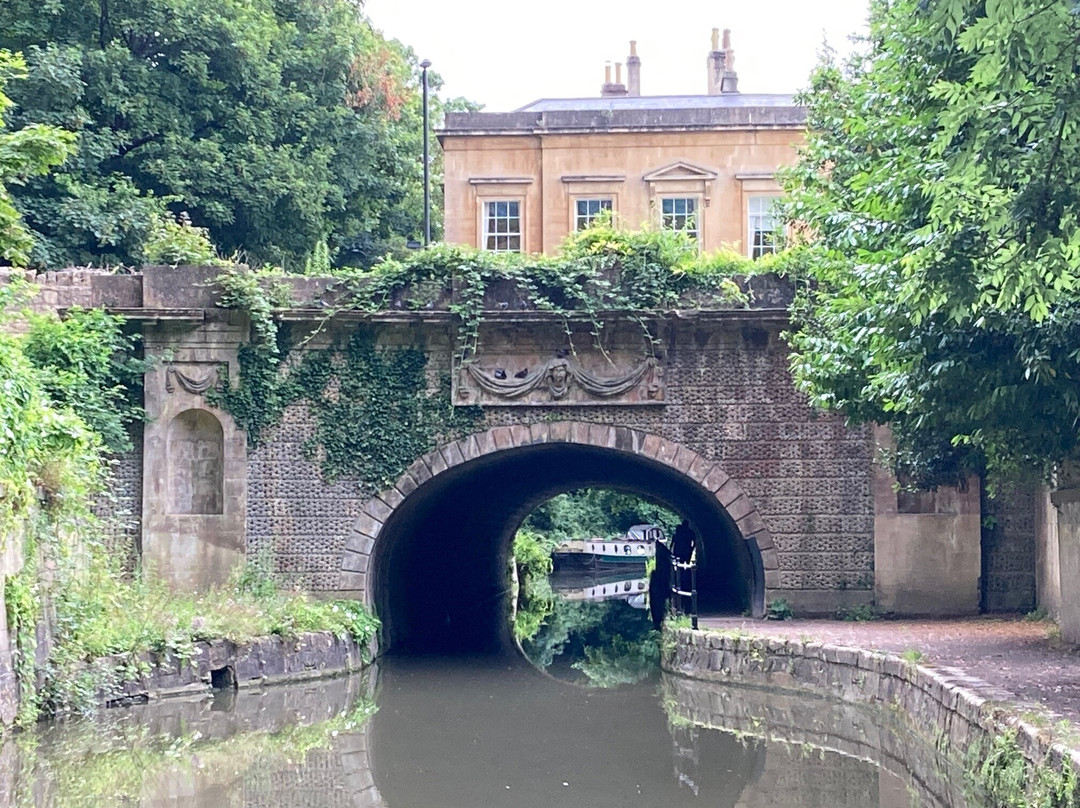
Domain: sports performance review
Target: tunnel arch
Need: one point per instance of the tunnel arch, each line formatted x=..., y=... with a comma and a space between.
x=434, y=523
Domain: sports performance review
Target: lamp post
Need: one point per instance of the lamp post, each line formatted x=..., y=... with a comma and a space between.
x=424, y=65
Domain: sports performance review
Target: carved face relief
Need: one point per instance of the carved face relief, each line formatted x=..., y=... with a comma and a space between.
x=558, y=379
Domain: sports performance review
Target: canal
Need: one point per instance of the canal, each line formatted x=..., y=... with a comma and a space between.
x=583, y=719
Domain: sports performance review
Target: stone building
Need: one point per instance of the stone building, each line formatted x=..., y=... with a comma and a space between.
x=521, y=181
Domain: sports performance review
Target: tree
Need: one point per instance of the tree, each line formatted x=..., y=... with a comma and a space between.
x=938, y=186
x=275, y=124
x=24, y=153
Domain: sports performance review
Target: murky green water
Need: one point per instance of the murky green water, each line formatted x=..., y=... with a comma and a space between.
x=450, y=733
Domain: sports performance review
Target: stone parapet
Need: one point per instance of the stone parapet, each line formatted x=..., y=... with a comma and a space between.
x=958, y=714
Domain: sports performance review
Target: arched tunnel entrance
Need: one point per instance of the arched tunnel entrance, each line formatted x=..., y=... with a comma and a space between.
x=439, y=566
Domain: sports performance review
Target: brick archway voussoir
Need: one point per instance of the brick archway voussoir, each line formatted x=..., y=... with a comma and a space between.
x=362, y=539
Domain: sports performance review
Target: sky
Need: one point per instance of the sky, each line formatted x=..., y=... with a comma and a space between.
x=507, y=54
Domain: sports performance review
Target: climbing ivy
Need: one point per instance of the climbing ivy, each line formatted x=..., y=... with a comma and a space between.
x=602, y=269
x=381, y=417
x=374, y=411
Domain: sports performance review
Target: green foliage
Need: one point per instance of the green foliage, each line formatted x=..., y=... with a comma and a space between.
x=600, y=269
x=937, y=182
x=621, y=661
x=98, y=612
x=30, y=151
x=597, y=512
x=913, y=655
x=863, y=613
x=178, y=241
x=382, y=416
x=48, y=457
x=87, y=364
x=262, y=395
x=1000, y=771
x=274, y=123
x=318, y=263
x=374, y=412
x=678, y=621
x=532, y=554
x=532, y=558
x=778, y=609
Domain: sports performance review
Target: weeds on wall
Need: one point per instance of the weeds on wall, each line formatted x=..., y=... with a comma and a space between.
x=97, y=613
x=998, y=771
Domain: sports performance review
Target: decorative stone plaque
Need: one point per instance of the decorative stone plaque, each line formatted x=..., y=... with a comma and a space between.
x=193, y=377
x=538, y=380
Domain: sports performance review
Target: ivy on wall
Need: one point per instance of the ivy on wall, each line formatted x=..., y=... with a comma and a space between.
x=374, y=410
x=600, y=270
x=380, y=417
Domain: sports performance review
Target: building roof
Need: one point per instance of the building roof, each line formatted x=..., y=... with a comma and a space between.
x=633, y=114
x=653, y=102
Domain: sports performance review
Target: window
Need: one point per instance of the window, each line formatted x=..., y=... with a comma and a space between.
x=763, y=226
x=680, y=213
x=502, y=226
x=585, y=210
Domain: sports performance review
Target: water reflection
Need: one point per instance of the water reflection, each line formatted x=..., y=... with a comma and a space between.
x=590, y=627
x=805, y=737
x=200, y=752
x=493, y=732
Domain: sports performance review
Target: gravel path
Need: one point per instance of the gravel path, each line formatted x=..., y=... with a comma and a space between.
x=1022, y=656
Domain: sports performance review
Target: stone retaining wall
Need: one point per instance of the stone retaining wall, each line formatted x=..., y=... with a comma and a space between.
x=268, y=660
x=948, y=708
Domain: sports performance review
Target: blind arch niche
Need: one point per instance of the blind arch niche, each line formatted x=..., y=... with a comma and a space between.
x=196, y=463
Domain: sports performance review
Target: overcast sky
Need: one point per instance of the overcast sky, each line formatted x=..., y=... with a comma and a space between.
x=509, y=53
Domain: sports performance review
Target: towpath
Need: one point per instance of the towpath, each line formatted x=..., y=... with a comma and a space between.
x=1025, y=657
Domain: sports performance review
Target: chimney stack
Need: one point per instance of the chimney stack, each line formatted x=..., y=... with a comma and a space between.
x=721, y=65
x=633, y=71
x=612, y=89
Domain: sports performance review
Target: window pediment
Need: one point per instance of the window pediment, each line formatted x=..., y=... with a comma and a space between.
x=681, y=170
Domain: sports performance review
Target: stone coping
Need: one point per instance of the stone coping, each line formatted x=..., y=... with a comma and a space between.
x=222, y=663
x=945, y=705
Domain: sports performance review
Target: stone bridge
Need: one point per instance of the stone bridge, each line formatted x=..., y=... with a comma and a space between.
x=787, y=502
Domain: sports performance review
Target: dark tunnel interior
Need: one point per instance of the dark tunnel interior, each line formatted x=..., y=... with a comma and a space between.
x=440, y=567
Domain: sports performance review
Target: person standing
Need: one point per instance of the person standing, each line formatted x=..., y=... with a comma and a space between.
x=683, y=545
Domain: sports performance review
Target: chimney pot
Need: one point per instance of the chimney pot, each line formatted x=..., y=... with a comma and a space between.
x=721, y=65
x=618, y=72
x=607, y=73
x=633, y=71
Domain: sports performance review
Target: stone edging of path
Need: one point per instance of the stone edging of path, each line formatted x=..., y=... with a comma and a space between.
x=953, y=710
x=262, y=661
